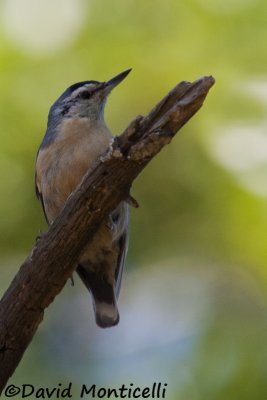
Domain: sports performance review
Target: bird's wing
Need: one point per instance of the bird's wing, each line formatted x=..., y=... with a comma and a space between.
x=123, y=246
x=39, y=193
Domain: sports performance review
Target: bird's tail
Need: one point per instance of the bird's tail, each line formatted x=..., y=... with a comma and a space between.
x=104, y=299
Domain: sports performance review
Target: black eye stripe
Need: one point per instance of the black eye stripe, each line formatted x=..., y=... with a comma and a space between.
x=84, y=95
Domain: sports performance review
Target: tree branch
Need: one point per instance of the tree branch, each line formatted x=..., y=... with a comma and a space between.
x=55, y=255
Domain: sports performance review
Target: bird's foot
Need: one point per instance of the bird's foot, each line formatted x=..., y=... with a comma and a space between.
x=39, y=236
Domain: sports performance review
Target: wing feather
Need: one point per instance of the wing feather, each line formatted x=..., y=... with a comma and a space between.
x=123, y=245
x=39, y=194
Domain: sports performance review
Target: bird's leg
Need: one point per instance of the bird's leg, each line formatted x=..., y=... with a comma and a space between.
x=39, y=236
x=111, y=221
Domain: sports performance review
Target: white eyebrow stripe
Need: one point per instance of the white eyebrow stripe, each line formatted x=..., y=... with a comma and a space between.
x=81, y=89
x=91, y=84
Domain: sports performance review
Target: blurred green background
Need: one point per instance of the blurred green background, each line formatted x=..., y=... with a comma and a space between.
x=193, y=301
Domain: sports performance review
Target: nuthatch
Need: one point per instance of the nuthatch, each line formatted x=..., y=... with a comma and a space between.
x=75, y=137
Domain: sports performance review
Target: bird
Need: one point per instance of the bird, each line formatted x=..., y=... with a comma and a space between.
x=75, y=137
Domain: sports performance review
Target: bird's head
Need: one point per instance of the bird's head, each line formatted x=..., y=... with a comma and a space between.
x=84, y=100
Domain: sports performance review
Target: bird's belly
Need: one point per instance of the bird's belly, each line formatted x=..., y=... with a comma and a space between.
x=69, y=174
x=62, y=169
x=58, y=186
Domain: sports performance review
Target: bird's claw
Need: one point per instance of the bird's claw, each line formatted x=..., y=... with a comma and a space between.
x=39, y=236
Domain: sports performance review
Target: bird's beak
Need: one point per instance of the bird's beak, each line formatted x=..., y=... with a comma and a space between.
x=116, y=80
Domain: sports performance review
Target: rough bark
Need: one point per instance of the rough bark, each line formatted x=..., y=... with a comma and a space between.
x=54, y=257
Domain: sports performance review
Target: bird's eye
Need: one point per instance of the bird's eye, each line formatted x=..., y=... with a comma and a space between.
x=84, y=95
